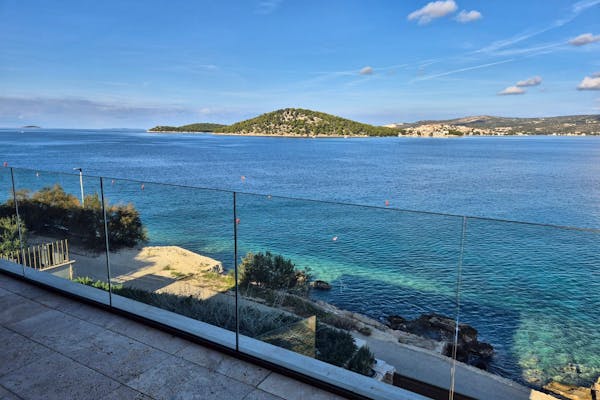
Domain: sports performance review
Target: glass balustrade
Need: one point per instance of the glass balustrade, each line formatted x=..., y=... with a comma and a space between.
x=65, y=240
x=367, y=298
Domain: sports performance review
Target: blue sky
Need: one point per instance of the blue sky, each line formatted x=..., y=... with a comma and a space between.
x=141, y=63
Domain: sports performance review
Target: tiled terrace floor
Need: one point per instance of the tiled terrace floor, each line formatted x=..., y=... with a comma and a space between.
x=54, y=347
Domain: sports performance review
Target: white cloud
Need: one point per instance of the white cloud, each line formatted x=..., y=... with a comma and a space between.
x=584, y=4
x=267, y=6
x=536, y=80
x=468, y=16
x=456, y=71
x=433, y=10
x=590, y=83
x=511, y=90
x=584, y=39
x=366, y=70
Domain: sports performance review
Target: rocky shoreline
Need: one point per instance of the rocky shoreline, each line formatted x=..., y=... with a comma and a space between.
x=469, y=349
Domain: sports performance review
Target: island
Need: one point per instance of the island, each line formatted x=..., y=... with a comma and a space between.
x=198, y=127
x=298, y=122
x=30, y=127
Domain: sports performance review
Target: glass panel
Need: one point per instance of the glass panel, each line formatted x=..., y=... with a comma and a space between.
x=328, y=281
x=11, y=234
x=533, y=293
x=65, y=240
x=172, y=247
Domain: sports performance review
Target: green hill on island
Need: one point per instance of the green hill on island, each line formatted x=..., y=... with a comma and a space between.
x=301, y=122
x=199, y=127
x=289, y=122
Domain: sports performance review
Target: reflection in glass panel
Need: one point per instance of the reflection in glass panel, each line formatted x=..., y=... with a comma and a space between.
x=533, y=292
x=352, y=286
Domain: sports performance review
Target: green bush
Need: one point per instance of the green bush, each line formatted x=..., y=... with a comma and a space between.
x=9, y=234
x=334, y=346
x=52, y=211
x=272, y=272
x=362, y=361
x=97, y=284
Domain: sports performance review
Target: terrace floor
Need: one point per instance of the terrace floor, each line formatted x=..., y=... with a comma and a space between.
x=54, y=347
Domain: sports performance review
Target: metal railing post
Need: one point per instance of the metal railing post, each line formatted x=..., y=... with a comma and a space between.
x=456, y=328
x=106, y=241
x=14, y=191
x=235, y=266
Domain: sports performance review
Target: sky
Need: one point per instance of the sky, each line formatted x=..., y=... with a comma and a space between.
x=136, y=64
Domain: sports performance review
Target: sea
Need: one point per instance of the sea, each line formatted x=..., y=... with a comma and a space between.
x=501, y=233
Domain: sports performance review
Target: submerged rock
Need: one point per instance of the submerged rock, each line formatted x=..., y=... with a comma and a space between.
x=320, y=285
x=443, y=329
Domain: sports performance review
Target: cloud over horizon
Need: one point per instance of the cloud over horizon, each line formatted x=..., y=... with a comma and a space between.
x=536, y=80
x=583, y=39
x=468, y=16
x=433, y=10
x=366, y=70
x=50, y=111
x=511, y=90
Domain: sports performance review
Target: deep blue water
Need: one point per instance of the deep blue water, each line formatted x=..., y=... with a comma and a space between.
x=531, y=291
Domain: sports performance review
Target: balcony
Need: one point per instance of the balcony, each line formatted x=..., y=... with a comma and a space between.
x=369, y=302
x=55, y=347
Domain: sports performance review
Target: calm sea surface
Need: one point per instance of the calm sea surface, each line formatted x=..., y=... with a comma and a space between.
x=532, y=291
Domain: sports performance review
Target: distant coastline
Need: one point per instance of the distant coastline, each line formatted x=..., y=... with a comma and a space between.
x=293, y=136
x=301, y=123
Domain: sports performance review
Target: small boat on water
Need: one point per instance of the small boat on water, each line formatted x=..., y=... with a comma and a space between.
x=320, y=285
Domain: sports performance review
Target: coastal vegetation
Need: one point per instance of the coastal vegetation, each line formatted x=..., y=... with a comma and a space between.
x=10, y=240
x=198, y=127
x=53, y=212
x=289, y=122
x=334, y=346
x=362, y=361
x=270, y=271
x=301, y=122
x=307, y=123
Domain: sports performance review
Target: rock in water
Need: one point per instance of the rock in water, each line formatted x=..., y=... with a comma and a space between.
x=320, y=285
x=569, y=392
x=443, y=329
x=395, y=322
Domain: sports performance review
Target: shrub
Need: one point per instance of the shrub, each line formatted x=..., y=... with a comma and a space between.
x=9, y=234
x=52, y=211
x=97, y=284
x=272, y=272
x=334, y=346
x=362, y=361
x=215, y=311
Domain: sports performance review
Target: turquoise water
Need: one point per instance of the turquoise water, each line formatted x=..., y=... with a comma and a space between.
x=532, y=291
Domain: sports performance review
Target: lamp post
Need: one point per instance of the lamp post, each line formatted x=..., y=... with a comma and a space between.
x=80, y=184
